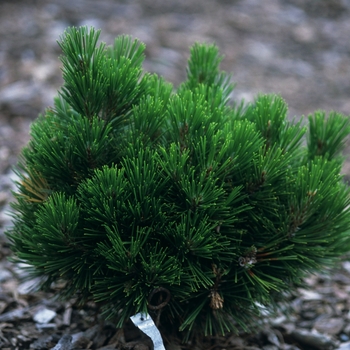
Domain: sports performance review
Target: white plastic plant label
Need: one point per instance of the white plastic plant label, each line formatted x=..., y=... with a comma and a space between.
x=147, y=326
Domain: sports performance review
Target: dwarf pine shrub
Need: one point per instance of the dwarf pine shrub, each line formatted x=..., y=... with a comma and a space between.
x=175, y=202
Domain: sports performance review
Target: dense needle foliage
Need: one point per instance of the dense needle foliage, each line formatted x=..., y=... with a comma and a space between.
x=177, y=203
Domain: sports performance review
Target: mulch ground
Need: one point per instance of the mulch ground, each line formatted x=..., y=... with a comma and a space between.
x=299, y=49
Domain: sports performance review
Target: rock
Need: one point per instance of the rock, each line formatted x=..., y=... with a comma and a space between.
x=304, y=33
x=5, y=275
x=79, y=341
x=19, y=98
x=272, y=339
x=64, y=343
x=346, y=266
x=309, y=294
x=44, y=315
x=41, y=343
x=344, y=346
x=343, y=337
x=46, y=326
x=314, y=339
x=329, y=325
x=15, y=315
x=27, y=287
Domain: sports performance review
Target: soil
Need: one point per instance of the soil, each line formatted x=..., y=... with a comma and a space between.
x=299, y=49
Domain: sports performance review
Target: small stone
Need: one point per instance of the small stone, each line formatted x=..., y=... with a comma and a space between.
x=346, y=265
x=273, y=339
x=20, y=97
x=329, y=325
x=65, y=343
x=44, y=315
x=309, y=294
x=5, y=275
x=343, y=337
x=304, y=33
x=82, y=340
x=14, y=315
x=4, y=196
x=278, y=321
x=344, y=346
x=41, y=343
x=3, y=306
x=46, y=326
x=27, y=287
x=313, y=339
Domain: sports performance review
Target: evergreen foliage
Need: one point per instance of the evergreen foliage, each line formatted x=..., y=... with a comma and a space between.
x=172, y=202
